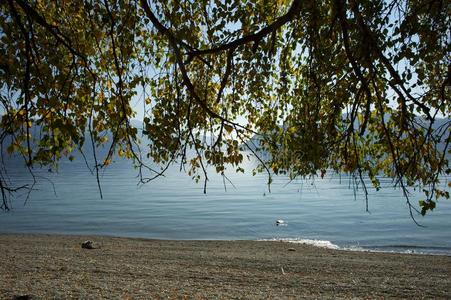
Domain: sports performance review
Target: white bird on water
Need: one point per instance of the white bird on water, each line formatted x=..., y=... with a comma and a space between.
x=280, y=223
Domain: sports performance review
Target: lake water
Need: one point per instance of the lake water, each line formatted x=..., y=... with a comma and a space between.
x=326, y=212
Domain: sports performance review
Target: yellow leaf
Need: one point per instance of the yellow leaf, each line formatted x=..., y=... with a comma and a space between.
x=228, y=128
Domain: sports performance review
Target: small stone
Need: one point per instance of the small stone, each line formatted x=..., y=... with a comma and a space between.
x=87, y=245
x=291, y=249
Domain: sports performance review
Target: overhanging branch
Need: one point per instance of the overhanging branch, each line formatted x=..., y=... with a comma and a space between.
x=179, y=59
x=54, y=31
x=294, y=10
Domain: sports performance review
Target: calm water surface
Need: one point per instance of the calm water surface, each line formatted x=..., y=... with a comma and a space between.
x=327, y=211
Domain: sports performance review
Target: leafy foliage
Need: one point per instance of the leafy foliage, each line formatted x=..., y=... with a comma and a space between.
x=338, y=85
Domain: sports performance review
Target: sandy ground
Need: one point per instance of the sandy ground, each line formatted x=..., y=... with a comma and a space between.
x=56, y=267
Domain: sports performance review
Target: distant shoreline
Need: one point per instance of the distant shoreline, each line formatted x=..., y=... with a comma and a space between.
x=55, y=266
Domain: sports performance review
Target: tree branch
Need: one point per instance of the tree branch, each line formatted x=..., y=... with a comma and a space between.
x=369, y=35
x=178, y=55
x=294, y=10
x=226, y=75
x=344, y=28
x=53, y=30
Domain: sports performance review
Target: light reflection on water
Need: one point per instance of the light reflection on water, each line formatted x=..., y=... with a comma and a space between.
x=174, y=207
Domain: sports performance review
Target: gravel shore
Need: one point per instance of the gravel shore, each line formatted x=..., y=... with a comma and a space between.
x=56, y=267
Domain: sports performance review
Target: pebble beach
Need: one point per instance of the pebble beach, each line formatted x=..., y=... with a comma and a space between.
x=57, y=267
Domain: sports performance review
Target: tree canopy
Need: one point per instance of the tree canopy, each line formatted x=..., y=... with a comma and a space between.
x=322, y=86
